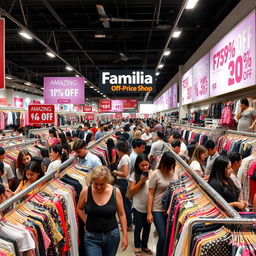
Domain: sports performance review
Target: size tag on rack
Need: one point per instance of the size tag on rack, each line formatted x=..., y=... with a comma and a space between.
x=41, y=114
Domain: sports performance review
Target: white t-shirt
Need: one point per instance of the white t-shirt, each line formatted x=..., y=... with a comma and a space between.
x=8, y=174
x=157, y=148
x=183, y=149
x=125, y=160
x=140, y=199
x=133, y=157
x=196, y=167
x=145, y=136
x=54, y=165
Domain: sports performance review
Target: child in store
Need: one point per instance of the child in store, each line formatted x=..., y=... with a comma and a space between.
x=32, y=172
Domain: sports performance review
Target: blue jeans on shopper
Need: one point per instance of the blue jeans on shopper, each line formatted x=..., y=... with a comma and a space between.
x=160, y=220
x=141, y=224
x=102, y=244
x=122, y=185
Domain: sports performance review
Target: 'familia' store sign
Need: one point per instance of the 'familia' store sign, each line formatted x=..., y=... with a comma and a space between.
x=127, y=81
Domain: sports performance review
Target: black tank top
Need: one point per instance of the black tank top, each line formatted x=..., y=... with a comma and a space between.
x=100, y=219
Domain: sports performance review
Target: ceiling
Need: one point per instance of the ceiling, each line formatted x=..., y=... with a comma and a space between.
x=69, y=27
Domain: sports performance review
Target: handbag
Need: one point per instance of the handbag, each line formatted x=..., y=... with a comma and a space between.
x=128, y=195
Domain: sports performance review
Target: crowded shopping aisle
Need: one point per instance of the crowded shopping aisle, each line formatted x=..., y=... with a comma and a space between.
x=127, y=128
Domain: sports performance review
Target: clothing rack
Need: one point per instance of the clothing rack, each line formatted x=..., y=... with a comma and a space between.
x=221, y=221
x=11, y=138
x=47, y=128
x=22, y=144
x=215, y=196
x=5, y=205
x=249, y=134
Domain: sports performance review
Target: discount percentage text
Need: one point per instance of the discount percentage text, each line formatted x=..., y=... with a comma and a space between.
x=41, y=114
x=233, y=59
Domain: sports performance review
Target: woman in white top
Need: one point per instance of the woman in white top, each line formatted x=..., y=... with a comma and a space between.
x=139, y=190
x=56, y=158
x=198, y=159
x=123, y=174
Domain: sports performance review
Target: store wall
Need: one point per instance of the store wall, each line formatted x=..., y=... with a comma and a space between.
x=235, y=17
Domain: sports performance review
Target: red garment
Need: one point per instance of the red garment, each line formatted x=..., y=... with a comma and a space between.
x=252, y=182
x=94, y=130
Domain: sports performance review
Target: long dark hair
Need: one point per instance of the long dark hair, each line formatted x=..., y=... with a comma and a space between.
x=218, y=172
x=53, y=131
x=58, y=149
x=35, y=165
x=62, y=136
x=20, y=165
x=137, y=170
x=88, y=138
x=110, y=145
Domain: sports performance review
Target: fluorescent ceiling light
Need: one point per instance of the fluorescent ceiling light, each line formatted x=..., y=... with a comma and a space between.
x=69, y=68
x=100, y=36
x=167, y=52
x=50, y=54
x=13, y=86
x=160, y=65
x=91, y=86
x=176, y=34
x=27, y=83
x=25, y=35
x=26, y=89
x=77, y=76
x=191, y=4
x=85, y=82
x=157, y=73
x=95, y=89
x=8, y=77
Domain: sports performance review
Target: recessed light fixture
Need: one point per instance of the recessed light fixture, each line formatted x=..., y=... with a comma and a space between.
x=69, y=68
x=191, y=4
x=95, y=89
x=26, y=89
x=157, y=73
x=77, y=75
x=25, y=35
x=85, y=82
x=167, y=52
x=160, y=65
x=42, y=88
x=27, y=83
x=50, y=54
x=8, y=77
x=91, y=86
x=100, y=36
x=176, y=34
x=13, y=86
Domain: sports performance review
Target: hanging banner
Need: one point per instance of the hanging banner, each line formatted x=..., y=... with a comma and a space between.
x=41, y=114
x=118, y=115
x=77, y=108
x=127, y=81
x=187, y=87
x=89, y=117
x=233, y=59
x=105, y=105
x=201, y=79
x=133, y=115
x=71, y=117
x=87, y=108
x=117, y=106
x=2, y=53
x=64, y=90
x=18, y=102
x=129, y=103
x=36, y=102
x=146, y=115
x=3, y=101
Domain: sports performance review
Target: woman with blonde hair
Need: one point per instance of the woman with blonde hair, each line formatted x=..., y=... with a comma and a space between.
x=137, y=134
x=198, y=159
x=97, y=207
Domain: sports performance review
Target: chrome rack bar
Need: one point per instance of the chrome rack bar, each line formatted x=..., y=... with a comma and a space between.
x=221, y=221
x=23, y=143
x=205, y=186
x=47, y=128
x=48, y=176
x=11, y=138
x=250, y=134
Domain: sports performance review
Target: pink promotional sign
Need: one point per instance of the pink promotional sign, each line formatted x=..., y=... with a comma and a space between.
x=232, y=60
x=64, y=90
x=118, y=115
x=18, y=102
x=201, y=73
x=187, y=87
x=89, y=116
x=175, y=95
x=116, y=106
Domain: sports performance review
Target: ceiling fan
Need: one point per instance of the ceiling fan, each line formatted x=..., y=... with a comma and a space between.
x=105, y=19
x=123, y=57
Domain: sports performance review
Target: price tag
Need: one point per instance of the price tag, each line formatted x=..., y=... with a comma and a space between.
x=105, y=105
x=41, y=114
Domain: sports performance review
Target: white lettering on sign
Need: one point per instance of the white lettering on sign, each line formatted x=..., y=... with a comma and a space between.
x=63, y=82
x=41, y=109
x=137, y=77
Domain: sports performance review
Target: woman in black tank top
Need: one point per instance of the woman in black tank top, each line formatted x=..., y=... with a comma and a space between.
x=97, y=207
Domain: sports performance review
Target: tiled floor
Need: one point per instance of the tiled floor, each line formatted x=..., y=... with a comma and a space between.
x=130, y=250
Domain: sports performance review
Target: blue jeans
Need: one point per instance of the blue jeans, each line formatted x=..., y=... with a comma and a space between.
x=102, y=244
x=160, y=220
x=140, y=220
x=122, y=185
